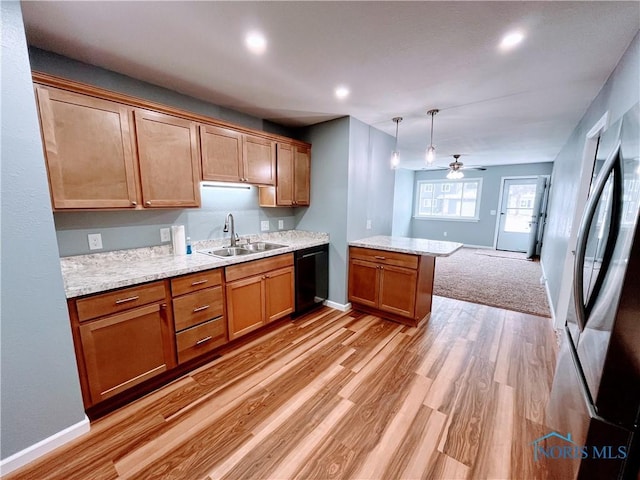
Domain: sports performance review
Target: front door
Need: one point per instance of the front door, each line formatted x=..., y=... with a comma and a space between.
x=516, y=211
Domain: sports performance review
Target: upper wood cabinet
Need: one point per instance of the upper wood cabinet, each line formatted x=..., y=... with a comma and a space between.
x=231, y=156
x=292, y=189
x=96, y=160
x=168, y=156
x=87, y=143
x=106, y=150
x=259, y=160
x=302, y=175
x=221, y=154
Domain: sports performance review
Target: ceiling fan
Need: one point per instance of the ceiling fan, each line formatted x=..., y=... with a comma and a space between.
x=456, y=167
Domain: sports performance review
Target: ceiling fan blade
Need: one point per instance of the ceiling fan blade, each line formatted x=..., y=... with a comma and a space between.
x=474, y=168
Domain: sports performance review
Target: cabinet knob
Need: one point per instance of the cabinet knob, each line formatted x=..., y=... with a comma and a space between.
x=147, y=203
x=134, y=203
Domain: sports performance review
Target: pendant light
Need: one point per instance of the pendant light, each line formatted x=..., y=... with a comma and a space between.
x=395, y=156
x=431, y=151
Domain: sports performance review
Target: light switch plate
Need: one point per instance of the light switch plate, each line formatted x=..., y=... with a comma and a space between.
x=368, y=224
x=165, y=235
x=264, y=226
x=95, y=241
x=280, y=224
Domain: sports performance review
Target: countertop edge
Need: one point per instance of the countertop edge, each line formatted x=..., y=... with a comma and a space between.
x=389, y=248
x=75, y=292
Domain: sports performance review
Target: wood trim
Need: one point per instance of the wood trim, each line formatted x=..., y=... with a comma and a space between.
x=391, y=316
x=86, y=89
x=384, y=257
x=257, y=267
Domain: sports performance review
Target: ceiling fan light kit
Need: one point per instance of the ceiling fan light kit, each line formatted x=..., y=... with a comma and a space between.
x=431, y=151
x=395, y=156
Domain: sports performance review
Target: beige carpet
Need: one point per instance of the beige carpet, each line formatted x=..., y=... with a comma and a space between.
x=498, y=281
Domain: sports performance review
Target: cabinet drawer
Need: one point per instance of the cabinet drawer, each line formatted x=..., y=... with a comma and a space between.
x=257, y=267
x=119, y=300
x=201, y=339
x=196, y=281
x=197, y=307
x=384, y=257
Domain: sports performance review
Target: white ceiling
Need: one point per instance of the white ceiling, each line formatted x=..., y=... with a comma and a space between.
x=398, y=59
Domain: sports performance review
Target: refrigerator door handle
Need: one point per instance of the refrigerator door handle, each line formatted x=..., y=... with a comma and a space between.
x=583, y=231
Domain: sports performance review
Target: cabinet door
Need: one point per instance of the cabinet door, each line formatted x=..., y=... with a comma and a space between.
x=87, y=144
x=125, y=349
x=302, y=180
x=259, y=160
x=364, y=281
x=221, y=154
x=245, y=305
x=168, y=156
x=279, y=293
x=285, y=177
x=398, y=290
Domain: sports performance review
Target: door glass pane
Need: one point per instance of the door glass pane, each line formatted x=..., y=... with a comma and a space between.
x=519, y=208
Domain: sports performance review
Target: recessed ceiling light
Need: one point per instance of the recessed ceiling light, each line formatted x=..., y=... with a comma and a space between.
x=342, y=92
x=511, y=39
x=256, y=43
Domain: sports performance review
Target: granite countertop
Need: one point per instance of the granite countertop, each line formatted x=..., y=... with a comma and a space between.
x=416, y=246
x=99, y=272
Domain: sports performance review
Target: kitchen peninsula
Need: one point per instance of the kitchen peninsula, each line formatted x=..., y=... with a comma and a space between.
x=393, y=276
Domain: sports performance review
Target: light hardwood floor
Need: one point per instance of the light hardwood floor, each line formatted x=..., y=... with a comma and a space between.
x=339, y=395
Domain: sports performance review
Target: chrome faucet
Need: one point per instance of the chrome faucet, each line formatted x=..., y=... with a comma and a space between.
x=228, y=220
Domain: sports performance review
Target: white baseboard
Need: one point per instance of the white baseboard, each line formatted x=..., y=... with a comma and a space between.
x=338, y=306
x=43, y=447
x=546, y=289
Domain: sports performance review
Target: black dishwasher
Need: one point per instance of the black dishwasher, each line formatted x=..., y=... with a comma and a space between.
x=312, y=277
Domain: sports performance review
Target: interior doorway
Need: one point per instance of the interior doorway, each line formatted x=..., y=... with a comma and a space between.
x=516, y=211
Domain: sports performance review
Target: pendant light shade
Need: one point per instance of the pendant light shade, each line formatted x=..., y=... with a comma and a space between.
x=431, y=151
x=395, y=156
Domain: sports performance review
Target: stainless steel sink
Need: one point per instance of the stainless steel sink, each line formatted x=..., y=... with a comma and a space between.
x=226, y=252
x=243, y=250
x=262, y=246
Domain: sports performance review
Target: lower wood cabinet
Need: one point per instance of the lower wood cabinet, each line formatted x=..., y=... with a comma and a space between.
x=119, y=350
x=198, y=311
x=132, y=335
x=259, y=292
x=394, y=285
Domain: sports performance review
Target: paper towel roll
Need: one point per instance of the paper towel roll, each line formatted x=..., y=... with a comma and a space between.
x=178, y=240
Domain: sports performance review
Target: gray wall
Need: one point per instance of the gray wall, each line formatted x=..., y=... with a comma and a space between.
x=403, y=203
x=327, y=212
x=40, y=390
x=619, y=94
x=121, y=230
x=371, y=181
x=481, y=232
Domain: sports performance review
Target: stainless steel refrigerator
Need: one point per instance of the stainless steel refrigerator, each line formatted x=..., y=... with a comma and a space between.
x=594, y=406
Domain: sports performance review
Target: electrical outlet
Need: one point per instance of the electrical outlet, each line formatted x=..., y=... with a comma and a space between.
x=492, y=212
x=165, y=235
x=368, y=224
x=280, y=224
x=445, y=234
x=264, y=226
x=95, y=241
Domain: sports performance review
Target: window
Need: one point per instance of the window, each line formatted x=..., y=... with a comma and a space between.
x=444, y=199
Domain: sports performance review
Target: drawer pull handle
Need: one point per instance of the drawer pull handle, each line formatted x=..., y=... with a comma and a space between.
x=203, y=340
x=199, y=282
x=199, y=309
x=380, y=258
x=128, y=299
